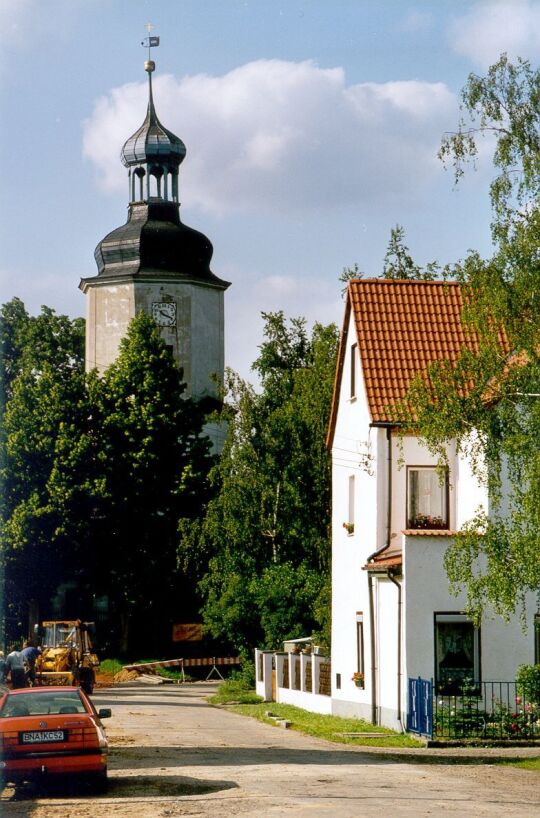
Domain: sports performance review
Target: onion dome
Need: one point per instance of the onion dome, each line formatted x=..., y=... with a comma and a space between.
x=152, y=142
x=154, y=243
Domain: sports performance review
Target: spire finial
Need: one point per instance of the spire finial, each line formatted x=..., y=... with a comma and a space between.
x=149, y=43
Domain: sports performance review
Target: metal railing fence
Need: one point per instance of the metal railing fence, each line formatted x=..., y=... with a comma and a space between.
x=479, y=710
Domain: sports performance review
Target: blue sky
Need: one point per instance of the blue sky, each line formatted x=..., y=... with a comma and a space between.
x=311, y=127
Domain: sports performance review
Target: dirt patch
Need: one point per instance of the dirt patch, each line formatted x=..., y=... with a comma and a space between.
x=126, y=676
x=104, y=680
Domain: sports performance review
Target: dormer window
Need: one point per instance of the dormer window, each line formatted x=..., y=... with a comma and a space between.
x=427, y=498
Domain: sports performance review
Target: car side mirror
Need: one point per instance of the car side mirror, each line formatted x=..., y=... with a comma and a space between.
x=105, y=713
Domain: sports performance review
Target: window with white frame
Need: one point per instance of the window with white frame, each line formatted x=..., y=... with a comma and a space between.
x=349, y=523
x=360, y=644
x=427, y=498
x=353, y=364
x=457, y=653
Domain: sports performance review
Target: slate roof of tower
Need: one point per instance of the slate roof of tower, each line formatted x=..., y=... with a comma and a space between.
x=401, y=327
x=152, y=141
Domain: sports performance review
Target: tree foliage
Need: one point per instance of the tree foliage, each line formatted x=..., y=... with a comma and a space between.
x=96, y=471
x=262, y=550
x=399, y=264
x=489, y=401
x=153, y=464
x=504, y=107
x=41, y=384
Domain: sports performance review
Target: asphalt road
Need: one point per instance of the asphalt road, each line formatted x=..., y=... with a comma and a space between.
x=173, y=755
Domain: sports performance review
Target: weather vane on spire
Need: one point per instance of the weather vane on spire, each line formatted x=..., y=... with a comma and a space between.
x=149, y=43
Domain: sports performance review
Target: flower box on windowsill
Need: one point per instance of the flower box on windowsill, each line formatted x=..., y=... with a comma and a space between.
x=426, y=521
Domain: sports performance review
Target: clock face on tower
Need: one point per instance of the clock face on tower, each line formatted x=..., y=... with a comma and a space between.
x=164, y=313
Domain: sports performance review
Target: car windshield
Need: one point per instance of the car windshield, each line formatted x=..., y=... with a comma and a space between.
x=42, y=704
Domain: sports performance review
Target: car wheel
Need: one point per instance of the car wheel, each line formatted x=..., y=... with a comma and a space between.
x=98, y=783
x=87, y=686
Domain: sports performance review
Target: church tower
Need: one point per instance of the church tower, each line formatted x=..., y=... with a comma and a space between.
x=158, y=264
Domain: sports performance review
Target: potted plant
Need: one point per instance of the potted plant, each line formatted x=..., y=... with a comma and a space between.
x=349, y=528
x=358, y=678
x=427, y=521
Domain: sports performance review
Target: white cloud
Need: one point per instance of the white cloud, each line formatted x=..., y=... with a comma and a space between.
x=274, y=134
x=416, y=20
x=489, y=28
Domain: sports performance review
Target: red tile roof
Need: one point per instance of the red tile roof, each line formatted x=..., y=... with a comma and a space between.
x=429, y=532
x=401, y=327
x=389, y=557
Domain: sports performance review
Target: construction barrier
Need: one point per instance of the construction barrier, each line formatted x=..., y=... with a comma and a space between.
x=153, y=665
x=212, y=662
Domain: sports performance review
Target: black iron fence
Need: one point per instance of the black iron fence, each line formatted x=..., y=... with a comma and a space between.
x=483, y=710
x=495, y=710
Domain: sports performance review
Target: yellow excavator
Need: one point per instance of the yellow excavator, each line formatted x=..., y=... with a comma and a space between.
x=67, y=656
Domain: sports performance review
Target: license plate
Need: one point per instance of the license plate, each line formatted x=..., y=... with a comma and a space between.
x=43, y=736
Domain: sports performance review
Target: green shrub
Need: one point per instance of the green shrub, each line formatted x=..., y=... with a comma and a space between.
x=528, y=682
x=110, y=666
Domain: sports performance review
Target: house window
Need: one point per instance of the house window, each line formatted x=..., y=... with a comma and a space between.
x=338, y=681
x=537, y=639
x=457, y=653
x=360, y=643
x=427, y=498
x=349, y=524
x=354, y=356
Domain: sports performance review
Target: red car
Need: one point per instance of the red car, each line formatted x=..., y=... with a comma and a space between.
x=52, y=731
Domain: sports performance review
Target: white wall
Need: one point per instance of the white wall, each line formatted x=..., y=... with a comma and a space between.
x=354, y=444
x=388, y=696
x=503, y=646
x=109, y=309
x=197, y=339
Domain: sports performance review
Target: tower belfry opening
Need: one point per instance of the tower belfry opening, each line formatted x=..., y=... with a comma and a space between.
x=153, y=155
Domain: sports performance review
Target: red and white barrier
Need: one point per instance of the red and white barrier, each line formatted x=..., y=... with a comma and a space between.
x=211, y=662
x=223, y=660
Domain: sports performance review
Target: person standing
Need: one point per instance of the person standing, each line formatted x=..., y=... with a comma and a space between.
x=15, y=667
x=30, y=654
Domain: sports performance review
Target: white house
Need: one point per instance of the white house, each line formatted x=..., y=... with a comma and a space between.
x=393, y=617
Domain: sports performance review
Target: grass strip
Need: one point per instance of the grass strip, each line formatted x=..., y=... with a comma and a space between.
x=331, y=728
x=526, y=764
x=234, y=691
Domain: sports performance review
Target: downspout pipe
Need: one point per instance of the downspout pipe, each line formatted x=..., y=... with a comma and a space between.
x=399, y=619
x=372, y=650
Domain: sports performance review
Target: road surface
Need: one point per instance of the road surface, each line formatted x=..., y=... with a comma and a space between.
x=173, y=755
